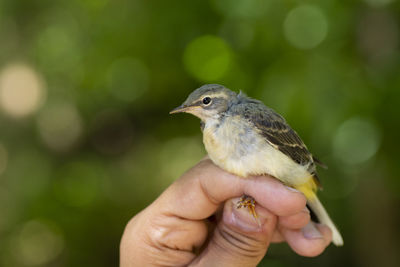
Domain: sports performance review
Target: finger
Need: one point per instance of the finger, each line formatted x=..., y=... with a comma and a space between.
x=295, y=221
x=277, y=237
x=160, y=240
x=238, y=240
x=309, y=241
x=204, y=187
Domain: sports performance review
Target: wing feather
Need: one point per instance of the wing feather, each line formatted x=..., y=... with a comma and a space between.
x=277, y=132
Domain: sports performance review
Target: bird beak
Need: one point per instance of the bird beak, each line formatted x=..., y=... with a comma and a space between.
x=181, y=108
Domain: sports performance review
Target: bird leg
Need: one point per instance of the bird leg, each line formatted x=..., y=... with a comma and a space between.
x=250, y=204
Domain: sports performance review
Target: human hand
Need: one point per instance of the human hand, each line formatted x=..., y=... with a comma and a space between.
x=175, y=230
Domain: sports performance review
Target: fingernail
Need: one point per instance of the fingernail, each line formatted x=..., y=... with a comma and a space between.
x=306, y=210
x=311, y=232
x=292, y=189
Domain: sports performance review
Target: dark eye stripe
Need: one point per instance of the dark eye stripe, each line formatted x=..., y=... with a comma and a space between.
x=197, y=103
x=215, y=103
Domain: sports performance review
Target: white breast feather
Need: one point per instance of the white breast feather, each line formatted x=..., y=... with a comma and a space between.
x=236, y=147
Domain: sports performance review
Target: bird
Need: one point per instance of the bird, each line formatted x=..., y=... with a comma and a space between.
x=245, y=137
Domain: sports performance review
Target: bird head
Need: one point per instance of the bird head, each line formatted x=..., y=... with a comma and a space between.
x=208, y=102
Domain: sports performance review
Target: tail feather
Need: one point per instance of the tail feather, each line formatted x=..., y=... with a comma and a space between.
x=323, y=217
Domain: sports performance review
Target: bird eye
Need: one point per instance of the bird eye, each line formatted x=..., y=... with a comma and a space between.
x=206, y=100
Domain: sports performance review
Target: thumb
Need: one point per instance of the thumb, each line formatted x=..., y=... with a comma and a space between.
x=238, y=239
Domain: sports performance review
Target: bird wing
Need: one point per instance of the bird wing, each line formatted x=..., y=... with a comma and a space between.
x=278, y=133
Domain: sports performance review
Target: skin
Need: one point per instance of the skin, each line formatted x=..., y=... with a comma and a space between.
x=175, y=230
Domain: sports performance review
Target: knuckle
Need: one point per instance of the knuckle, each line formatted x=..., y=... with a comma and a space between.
x=157, y=242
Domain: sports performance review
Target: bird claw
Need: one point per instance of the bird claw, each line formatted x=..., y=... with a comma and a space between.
x=249, y=203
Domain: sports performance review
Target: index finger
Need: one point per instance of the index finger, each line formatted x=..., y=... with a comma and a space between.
x=201, y=190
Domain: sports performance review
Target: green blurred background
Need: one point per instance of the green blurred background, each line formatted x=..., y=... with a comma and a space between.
x=86, y=140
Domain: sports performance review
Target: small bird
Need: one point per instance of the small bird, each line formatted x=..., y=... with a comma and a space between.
x=245, y=137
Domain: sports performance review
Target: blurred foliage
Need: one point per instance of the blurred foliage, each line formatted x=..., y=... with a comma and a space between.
x=86, y=140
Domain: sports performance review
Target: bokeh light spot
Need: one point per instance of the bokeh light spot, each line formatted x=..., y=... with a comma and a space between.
x=128, y=78
x=56, y=48
x=22, y=90
x=60, y=126
x=356, y=141
x=305, y=26
x=37, y=244
x=207, y=58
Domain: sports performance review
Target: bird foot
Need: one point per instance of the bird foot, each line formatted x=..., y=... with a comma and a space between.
x=249, y=203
